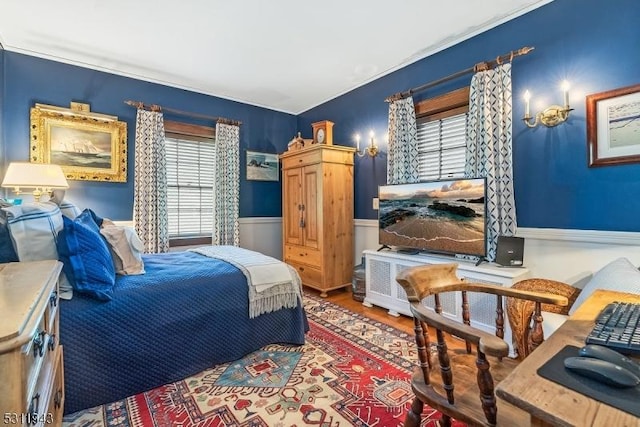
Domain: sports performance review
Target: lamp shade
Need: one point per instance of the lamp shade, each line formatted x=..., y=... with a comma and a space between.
x=34, y=175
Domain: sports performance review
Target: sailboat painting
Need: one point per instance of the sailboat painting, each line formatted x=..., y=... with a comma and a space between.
x=79, y=147
x=88, y=146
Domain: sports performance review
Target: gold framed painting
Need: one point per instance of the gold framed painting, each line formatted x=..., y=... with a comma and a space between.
x=88, y=146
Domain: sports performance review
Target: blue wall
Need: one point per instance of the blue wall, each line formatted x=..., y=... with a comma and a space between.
x=2, y=85
x=28, y=80
x=592, y=44
x=595, y=46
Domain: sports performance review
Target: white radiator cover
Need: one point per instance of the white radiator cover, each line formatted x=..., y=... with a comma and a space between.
x=382, y=289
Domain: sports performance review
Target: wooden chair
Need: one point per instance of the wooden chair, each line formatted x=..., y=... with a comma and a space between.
x=525, y=318
x=464, y=393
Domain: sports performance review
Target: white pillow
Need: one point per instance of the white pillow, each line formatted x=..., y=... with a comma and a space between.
x=125, y=246
x=34, y=229
x=619, y=275
x=551, y=322
x=69, y=210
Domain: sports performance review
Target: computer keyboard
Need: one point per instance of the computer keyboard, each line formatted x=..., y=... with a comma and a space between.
x=618, y=327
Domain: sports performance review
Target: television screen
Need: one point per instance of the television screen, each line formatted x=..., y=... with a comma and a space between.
x=438, y=216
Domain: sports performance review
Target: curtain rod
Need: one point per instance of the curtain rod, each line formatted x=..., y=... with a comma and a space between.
x=158, y=108
x=480, y=66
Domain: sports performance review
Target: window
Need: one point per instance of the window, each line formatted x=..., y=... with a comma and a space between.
x=442, y=123
x=190, y=154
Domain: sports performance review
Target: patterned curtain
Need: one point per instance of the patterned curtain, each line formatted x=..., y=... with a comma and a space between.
x=489, y=142
x=402, y=157
x=150, y=184
x=226, y=199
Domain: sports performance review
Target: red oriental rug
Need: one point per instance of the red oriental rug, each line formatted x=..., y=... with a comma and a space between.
x=352, y=371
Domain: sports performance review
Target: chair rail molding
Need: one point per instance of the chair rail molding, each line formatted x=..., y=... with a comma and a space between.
x=586, y=236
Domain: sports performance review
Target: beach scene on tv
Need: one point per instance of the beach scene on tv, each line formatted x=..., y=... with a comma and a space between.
x=444, y=216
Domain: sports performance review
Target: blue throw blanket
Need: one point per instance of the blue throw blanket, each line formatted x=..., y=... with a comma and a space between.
x=187, y=313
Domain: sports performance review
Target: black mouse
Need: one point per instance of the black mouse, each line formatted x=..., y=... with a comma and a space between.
x=602, y=371
x=604, y=353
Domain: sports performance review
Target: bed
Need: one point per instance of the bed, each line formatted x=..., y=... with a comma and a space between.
x=188, y=312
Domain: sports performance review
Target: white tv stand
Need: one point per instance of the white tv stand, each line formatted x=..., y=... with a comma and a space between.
x=383, y=290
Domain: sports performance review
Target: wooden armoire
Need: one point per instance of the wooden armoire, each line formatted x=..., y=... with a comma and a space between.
x=317, y=212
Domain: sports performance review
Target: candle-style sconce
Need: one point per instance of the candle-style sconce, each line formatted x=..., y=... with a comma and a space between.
x=550, y=116
x=371, y=149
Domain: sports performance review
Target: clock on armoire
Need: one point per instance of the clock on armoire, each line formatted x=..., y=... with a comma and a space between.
x=317, y=212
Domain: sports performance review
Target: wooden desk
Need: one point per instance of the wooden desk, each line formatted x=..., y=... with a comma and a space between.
x=551, y=404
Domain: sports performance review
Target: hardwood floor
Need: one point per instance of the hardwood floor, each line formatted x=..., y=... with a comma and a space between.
x=343, y=297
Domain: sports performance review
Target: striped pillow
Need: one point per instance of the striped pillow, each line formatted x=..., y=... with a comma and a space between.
x=34, y=229
x=69, y=210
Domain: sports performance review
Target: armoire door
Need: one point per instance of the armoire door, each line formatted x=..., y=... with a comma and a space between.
x=293, y=205
x=311, y=195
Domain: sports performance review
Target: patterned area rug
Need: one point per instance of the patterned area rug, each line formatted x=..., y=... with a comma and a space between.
x=352, y=371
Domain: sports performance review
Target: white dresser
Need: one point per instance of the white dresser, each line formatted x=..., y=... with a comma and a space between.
x=31, y=364
x=383, y=290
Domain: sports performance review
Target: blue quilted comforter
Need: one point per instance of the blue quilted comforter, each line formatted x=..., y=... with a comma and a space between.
x=187, y=313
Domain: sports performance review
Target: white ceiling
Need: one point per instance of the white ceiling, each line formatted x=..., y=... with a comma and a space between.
x=286, y=55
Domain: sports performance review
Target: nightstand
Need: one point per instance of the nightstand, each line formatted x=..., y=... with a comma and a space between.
x=31, y=361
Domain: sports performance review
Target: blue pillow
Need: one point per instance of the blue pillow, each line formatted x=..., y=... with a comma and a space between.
x=7, y=251
x=97, y=219
x=87, y=261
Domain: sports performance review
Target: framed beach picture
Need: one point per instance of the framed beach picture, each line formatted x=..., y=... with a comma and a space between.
x=262, y=166
x=613, y=126
x=88, y=146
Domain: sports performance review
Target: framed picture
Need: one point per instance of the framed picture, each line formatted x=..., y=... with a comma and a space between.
x=262, y=166
x=88, y=146
x=613, y=127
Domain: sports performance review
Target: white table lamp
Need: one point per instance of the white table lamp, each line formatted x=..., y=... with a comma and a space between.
x=42, y=177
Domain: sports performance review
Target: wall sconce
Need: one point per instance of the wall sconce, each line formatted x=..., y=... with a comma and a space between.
x=552, y=115
x=42, y=177
x=371, y=149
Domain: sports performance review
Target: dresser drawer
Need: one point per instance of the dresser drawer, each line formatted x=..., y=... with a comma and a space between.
x=302, y=159
x=303, y=255
x=38, y=399
x=310, y=276
x=33, y=354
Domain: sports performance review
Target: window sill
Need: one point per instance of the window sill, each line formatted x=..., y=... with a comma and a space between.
x=189, y=241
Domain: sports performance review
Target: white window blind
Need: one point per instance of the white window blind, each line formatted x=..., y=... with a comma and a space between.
x=190, y=181
x=441, y=147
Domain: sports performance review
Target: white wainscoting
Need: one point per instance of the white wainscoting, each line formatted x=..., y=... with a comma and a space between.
x=569, y=256
x=262, y=234
x=572, y=256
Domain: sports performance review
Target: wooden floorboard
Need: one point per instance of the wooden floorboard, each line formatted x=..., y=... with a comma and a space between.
x=344, y=298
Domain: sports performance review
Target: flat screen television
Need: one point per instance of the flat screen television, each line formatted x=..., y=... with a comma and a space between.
x=445, y=216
